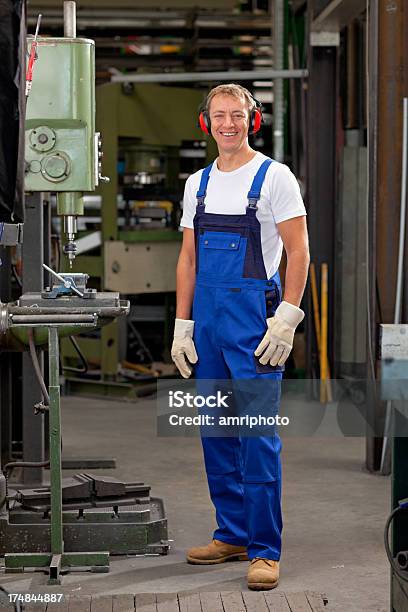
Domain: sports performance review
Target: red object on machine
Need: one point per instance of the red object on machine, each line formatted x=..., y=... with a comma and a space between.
x=32, y=58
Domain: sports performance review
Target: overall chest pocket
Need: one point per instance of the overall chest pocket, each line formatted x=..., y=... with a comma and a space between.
x=222, y=254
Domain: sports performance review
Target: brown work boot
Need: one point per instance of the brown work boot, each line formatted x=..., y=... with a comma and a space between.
x=263, y=574
x=216, y=552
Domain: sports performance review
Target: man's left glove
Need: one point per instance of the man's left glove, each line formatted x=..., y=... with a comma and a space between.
x=183, y=346
x=278, y=340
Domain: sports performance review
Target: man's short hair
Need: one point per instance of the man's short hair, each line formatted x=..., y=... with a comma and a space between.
x=231, y=89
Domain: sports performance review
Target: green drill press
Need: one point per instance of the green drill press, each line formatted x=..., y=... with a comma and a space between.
x=79, y=522
x=62, y=147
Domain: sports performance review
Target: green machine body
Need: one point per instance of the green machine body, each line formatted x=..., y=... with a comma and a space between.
x=62, y=149
x=61, y=146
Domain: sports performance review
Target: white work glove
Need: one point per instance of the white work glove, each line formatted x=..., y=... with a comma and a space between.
x=183, y=346
x=278, y=340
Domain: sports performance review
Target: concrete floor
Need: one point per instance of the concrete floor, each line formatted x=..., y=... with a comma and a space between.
x=334, y=512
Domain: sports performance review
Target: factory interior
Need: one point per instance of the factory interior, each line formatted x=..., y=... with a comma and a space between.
x=99, y=131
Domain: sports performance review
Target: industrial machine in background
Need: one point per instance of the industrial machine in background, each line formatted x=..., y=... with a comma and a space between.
x=128, y=238
x=80, y=521
x=61, y=143
x=394, y=390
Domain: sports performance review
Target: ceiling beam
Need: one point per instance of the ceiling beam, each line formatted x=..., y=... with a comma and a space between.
x=225, y=75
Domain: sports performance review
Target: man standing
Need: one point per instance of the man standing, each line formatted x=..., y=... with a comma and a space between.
x=238, y=213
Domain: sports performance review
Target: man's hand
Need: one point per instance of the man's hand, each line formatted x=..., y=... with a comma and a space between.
x=278, y=340
x=183, y=346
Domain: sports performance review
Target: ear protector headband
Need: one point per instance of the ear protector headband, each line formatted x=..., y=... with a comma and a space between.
x=255, y=119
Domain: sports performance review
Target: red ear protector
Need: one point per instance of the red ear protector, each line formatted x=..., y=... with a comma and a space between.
x=204, y=121
x=255, y=119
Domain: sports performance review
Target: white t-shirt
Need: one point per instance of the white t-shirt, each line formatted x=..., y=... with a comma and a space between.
x=227, y=195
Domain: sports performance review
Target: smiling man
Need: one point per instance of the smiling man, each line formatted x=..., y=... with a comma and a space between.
x=238, y=214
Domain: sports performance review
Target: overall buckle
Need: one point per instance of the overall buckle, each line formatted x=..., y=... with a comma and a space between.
x=253, y=203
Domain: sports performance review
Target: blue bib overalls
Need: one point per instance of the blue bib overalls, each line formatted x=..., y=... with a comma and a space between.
x=233, y=298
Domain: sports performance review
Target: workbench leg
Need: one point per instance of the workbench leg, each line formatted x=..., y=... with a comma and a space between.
x=57, y=544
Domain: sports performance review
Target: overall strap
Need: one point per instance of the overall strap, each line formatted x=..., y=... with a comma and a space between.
x=255, y=192
x=202, y=190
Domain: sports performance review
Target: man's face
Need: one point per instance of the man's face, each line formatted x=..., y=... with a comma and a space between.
x=229, y=122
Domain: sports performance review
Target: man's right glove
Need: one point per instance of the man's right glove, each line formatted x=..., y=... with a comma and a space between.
x=183, y=346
